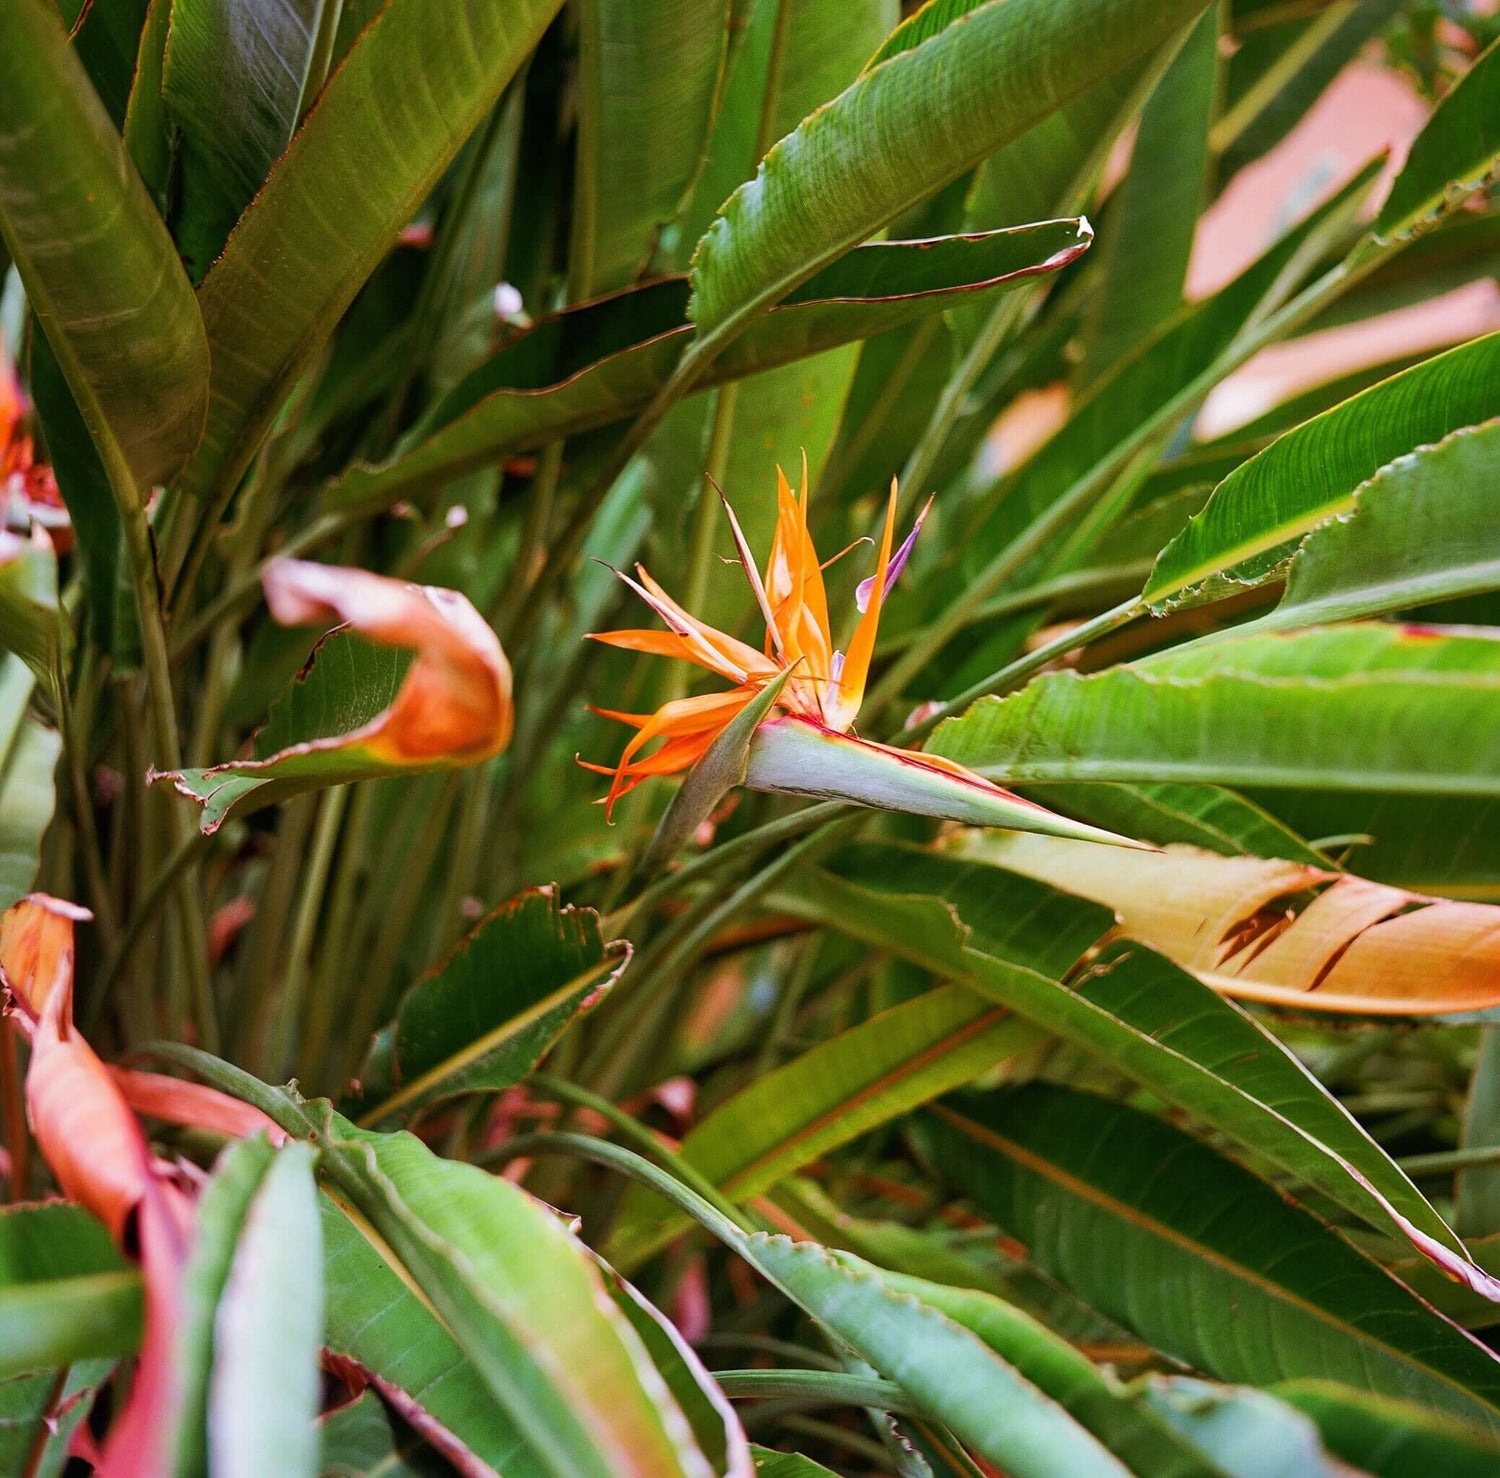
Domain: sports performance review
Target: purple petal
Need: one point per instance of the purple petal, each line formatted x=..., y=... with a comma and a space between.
x=893, y=570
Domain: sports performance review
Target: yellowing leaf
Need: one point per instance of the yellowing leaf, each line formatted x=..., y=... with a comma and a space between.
x=1280, y=932
x=358, y=712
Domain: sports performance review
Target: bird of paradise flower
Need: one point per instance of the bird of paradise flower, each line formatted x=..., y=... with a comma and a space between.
x=804, y=746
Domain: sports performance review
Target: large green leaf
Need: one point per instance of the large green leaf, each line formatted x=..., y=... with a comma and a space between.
x=506, y=1276
x=1361, y=708
x=410, y=91
x=1391, y=1439
x=1148, y=230
x=1419, y=530
x=603, y=361
x=1054, y=508
x=1251, y=523
x=1119, y=1419
x=1453, y=155
x=483, y=1017
x=650, y=75
x=233, y=81
x=65, y=1293
x=864, y=1076
x=356, y=1440
x=98, y=266
x=28, y=757
x=218, y=1224
x=950, y=1371
x=376, y=1319
x=1206, y=1262
x=1131, y=1008
x=902, y=130
x=266, y=1386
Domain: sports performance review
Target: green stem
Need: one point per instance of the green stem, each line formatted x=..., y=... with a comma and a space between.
x=816, y=1388
x=305, y=923
x=1447, y=1162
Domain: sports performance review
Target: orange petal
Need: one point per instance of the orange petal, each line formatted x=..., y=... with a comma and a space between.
x=456, y=700
x=177, y=1102
x=841, y=701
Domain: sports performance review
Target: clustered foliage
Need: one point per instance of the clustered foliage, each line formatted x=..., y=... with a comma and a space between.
x=1026, y=1007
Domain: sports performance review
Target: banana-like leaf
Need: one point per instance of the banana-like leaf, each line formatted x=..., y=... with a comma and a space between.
x=100, y=271
x=1241, y=925
x=1454, y=155
x=950, y=1372
x=793, y=756
x=523, y=1299
x=1419, y=530
x=233, y=80
x=268, y=1331
x=411, y=89
x=366, y=707
x=376, y=1320
x=603, y=361
x=834, y=1092
x=1251, y=524
x=485, y=1015
x=1153, y=212
x=1362, y=708
x=650, y=77
x=769, y=1463
x=1230, y=1278
x=1388, y=1438
x=218, y=1225
x=65, y=1293
x=1248, y=1433
x=942, y=105
x=1131, y=1008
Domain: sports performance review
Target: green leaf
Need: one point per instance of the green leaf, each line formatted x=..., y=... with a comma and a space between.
x=865, y=1076
x=219, y=1222
x=485, y=1015
x=949, y=1371
x=1248, y=528
x=1248, y=1433
x=98, y=266
x=1417, y=531
x=266, y=1386
x=1360, y=708
x=650, y=77
x=772, y=1464
x=1205, y=1262
x=412, y=88
x=603, y=361
x=31, y=624
x=232, y=82
x=1119, y=1419
x=1131, y=1008
x=902, y=130
x=90, y=500
x=105, y=39
x=524, y=1301
x=27, y=791
x=1453, y=155
x=1058, y=505
x=793, y=756
x=1391, y=1439
x=375, y=1319
x=66, y=1294
x=1152, y=215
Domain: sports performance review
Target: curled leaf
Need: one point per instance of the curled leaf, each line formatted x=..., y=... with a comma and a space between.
x=358, y=711
x=1283, y=932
